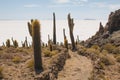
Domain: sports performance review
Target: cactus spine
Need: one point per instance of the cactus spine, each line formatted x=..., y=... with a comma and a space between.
x=54, y=29
x=71, y=26
x=34, y=30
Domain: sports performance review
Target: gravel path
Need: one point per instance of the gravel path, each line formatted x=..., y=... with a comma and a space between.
x=76, y=68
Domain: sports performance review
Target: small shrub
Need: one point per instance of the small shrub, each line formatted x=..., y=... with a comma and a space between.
x=16, y=59
x=1, y=72
x=82, y=51
x=118, y=59
x=101, y=65
x=54, y=52
x=91, y=50
x=104, y=52
x=96, y=47
x=109, y=47
x=107, y=60
x=30, y=64
x=48, y=53
x=116, y=50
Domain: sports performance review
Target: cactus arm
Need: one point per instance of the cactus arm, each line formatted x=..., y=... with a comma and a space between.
x=30, y=28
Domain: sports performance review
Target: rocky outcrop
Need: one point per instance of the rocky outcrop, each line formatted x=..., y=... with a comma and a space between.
x=113, y=23
x=101, y=29
x=105, y=34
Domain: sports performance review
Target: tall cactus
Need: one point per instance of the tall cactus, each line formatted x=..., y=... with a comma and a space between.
x=54, y=29
x=34, y=30
x=71, y=26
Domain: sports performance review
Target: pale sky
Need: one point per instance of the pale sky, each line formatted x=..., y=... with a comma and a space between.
x=43, y=9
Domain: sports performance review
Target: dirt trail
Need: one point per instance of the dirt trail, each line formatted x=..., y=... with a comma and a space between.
x=76, y=68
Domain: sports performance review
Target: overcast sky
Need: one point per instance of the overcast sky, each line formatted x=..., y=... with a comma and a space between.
x=43, y=9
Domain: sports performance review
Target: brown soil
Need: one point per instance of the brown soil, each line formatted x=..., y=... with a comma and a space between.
x=76, y=68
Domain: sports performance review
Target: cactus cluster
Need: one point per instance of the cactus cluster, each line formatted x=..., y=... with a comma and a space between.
x=34, y=30
x=25, y=43
x=71, y=26
x=15, y=43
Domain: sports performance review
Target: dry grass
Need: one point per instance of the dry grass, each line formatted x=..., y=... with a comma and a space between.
x=96, y=47
x=109, y=47
x=118, y=59
x=92, y=50
x=1, y=74
x=16, y=59
x=30, y=64
x=48, y=53
x=107, y=60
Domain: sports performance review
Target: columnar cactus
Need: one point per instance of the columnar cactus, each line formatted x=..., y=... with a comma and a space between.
x=8, y=43
x=71, y=26
x=65, y=39
x=64, y=33
x=54, y=29
x=48, y=39
x=15, y=43
x=23, y=44
x=26, y=42
x=34, y=30
x=66, y=43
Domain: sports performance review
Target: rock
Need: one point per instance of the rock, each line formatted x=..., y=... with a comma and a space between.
x=113, y=23
x=101, y=29
x=107, y=34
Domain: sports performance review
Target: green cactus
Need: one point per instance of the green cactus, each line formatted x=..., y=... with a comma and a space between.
x=34, y=31
x=71, y=26
x=8, y=43
x=54, y=29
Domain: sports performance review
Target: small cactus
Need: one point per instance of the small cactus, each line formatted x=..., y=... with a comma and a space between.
x=23, y=44
x=26, y=42
x=34, y=30
x=66, y=43
x=65, y=39
x=8, y=43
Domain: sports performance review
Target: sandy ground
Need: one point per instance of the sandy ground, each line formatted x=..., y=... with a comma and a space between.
x=76, y=68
